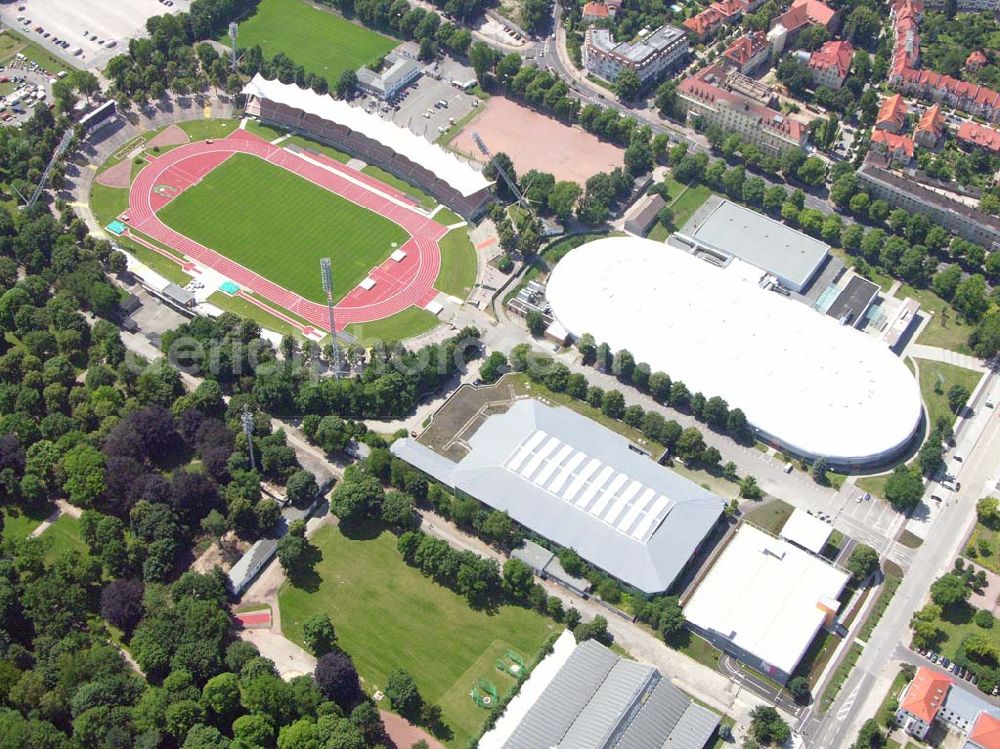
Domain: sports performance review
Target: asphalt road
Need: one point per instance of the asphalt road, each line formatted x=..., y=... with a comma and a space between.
x=978, y=442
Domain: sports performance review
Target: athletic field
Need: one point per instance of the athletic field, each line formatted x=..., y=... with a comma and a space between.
x=320, y=41
x=388, y=615
x=279, y=225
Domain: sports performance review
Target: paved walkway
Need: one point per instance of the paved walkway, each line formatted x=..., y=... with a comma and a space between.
x=935, y=353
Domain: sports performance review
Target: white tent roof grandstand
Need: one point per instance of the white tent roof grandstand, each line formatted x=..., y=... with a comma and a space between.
x=580, y=485
x=767, y=597
x=460, y=174
x=809, y=384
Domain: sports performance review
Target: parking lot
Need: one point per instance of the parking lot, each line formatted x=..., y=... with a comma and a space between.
x=87, y=34
x=23, y=85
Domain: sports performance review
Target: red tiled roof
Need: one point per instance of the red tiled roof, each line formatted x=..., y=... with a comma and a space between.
x=932, y=121
x=925, y=694
x=795, y=17
x=892, y=110
x=714, y=16
x=894, y=142
x=977, y=135
x=745, y=47
x=945, y=84
x=975, y=59
x=833, y=55
x=986, y=732
x=818, y=12
x=698, y=87
x=595, y=10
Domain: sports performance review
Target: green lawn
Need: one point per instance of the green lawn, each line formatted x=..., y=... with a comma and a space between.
x=873, y=484
x=321, y=41
x=204, y=129
x=945, y=328
x=885, y=594
x=446, y=217
x=243, y=308
x=684, y=201
x=280, y=225
x=884, y=713
x=311, y=145
x=62, y=537
x=12, y=42
x=267, y=132
x=19, y=523
x=989, y=538
x=957, y=624
x=936, y=378
x=406, y=324
x=840, y=676
x=388, y=615
x=459, y=264
x=771, y=517
x=392, y=180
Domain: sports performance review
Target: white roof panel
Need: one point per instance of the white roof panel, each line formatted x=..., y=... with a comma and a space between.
x=807, y=531
x=763, y=594
x=808, y=383
x=460, y=174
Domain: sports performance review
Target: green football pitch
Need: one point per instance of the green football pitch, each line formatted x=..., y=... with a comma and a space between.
x=320, y=41
x=279, y=225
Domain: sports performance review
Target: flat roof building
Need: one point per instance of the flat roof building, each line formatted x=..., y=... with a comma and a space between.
x=809, y=385
x=399, y=72
x=649, y=56
x=599, y=700
x=793, y=257
x=764, y=600
x=806, y=530
x=853, y=302
x=581, y=486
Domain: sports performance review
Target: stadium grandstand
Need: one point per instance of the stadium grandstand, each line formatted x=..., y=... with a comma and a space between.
x=452, y=181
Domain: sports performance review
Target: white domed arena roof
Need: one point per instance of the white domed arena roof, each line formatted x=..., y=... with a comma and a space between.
x=808, y=383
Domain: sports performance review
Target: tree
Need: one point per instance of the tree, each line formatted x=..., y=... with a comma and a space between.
x=812, y=171
x=627, y=85
x=985, y=339
x=346, y=84
x=84, y=469
x=870, y=736
x=595, y=629
x=563, y=199
x=671, y=621
x=904, y=488
x=988, y=511
x=749, y=488
x=949, y=590
x=337, y=679
x=958, y=395
x=818, y=471
x=862, y=562
x=297, y=556
x=493, y=367
x=798, y=686
x=767, y=728
x=536, y=323
x=318, y=634
x=482, y=58
x=404, y=697
x=121, y=604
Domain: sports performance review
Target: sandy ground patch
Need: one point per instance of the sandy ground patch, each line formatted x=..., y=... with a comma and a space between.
x=171, y=136
x=119, y=175
x=534, y=141
x=404, y=734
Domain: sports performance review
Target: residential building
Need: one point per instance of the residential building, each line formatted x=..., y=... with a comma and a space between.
x=967, y=6
x=905, y=15
x=931, y=127
x=975, y=60
x=715, y=16
x=593, y=11
x=640, y=218
x=975, y=135
x=704, y=95
x=831, y=63
x=968, y=223
x=891, y=114
x=934, y=698
x=650, y=56
x=586, y=697
x=764, y=600
x=969, y=97
x=896, y=148
x=581, y=486
x=802, y=14
x=398, y=72
x=748, y=52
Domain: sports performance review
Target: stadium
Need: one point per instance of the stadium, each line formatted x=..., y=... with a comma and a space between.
x=809, y=385
x=212, y=208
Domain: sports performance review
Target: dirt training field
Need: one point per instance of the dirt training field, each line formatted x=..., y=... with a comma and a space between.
x=534, y=141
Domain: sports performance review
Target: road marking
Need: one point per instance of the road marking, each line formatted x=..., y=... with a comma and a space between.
x=845, y=709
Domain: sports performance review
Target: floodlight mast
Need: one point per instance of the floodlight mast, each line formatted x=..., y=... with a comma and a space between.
x=500, y=170
x=233, y=34
x=326, y=269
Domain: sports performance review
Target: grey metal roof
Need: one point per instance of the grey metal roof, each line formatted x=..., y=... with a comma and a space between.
x=533, y=555
x=251, y=563
x=968, y=705
x=669, y=719
x=580, y=485
x=178, y=294
x=598, y=700
x=762, y=241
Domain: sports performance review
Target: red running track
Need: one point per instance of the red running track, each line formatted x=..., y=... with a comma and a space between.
x=398, y=285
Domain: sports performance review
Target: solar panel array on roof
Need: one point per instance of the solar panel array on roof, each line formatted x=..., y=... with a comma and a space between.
x=626, y=504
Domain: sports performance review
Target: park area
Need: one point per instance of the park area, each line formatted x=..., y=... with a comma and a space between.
x=388, y=615
x=279, y=225
x=321, y=41
x=936, y=379
x=536, y=141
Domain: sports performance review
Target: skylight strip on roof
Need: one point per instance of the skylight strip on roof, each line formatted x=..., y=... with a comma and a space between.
x=566, y=472
x=598, y=483
x=609, y=493
x=581, y=480
x=553, y=465
x=540, y=455
x=654, y=516
x=629, y=520
x=526, y=448
x=624, y=500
